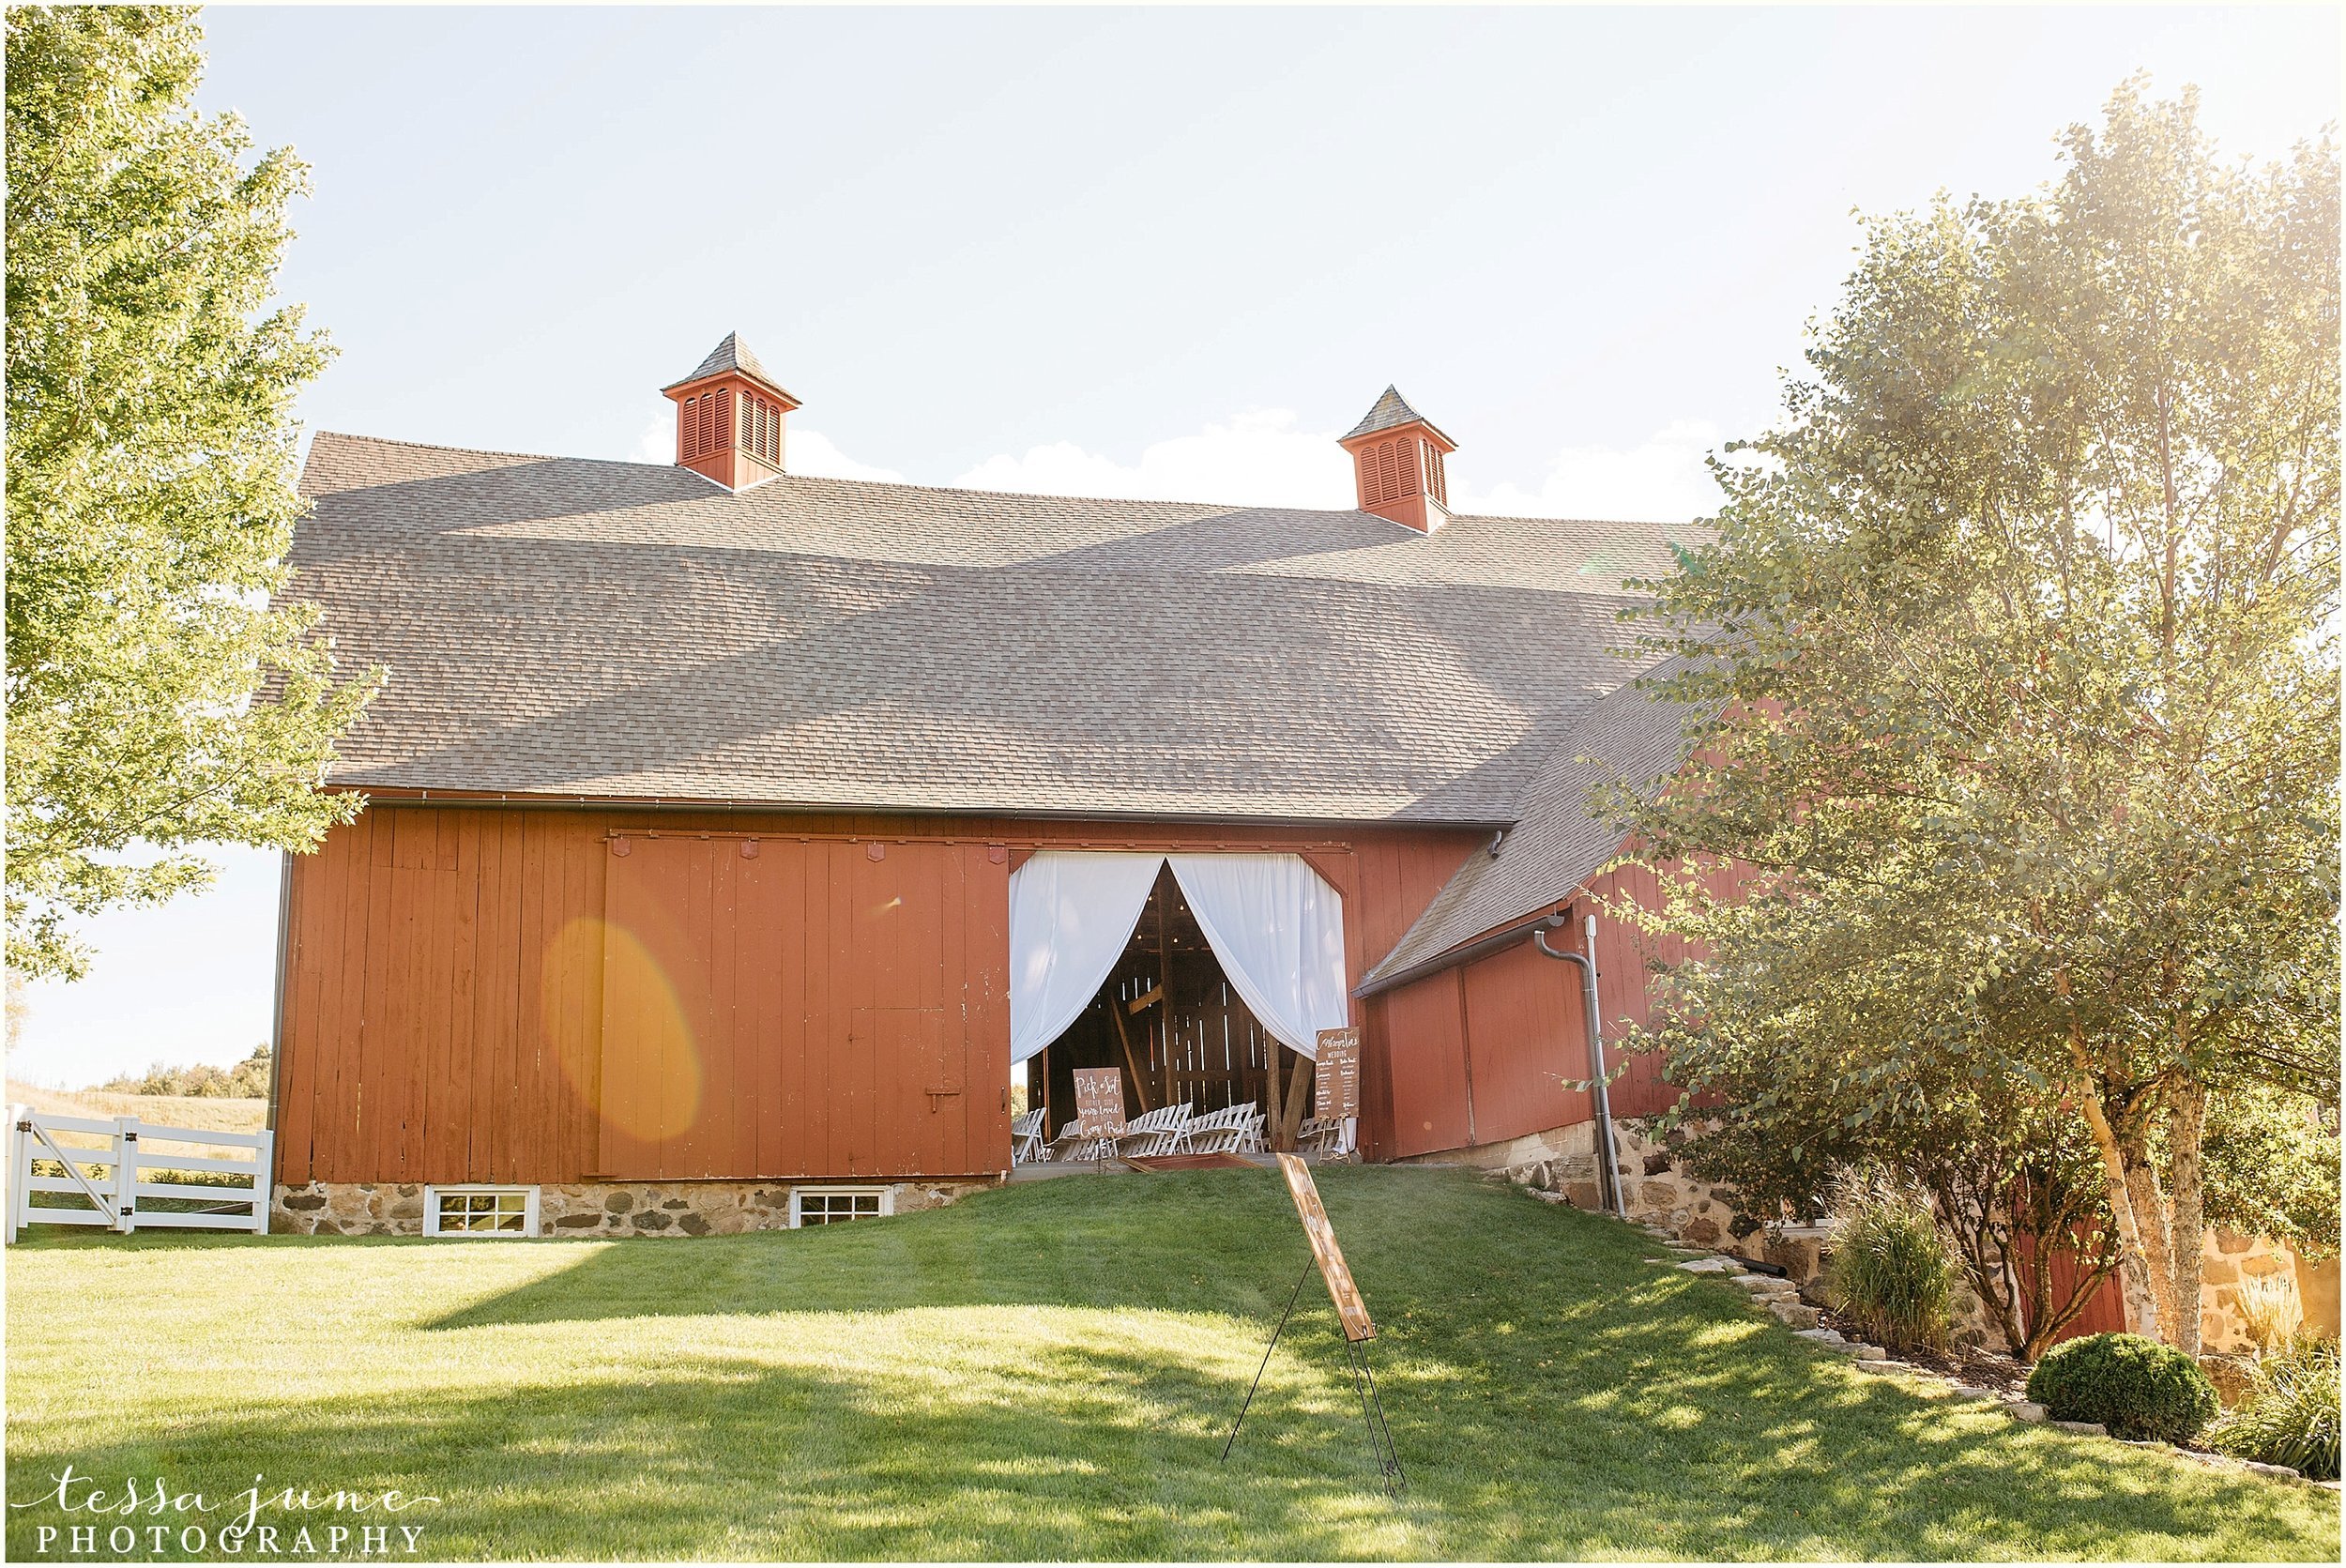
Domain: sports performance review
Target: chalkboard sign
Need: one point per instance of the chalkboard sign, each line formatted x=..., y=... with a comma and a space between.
x=1350, y=1309
x=1336, y=1074
x=1100, y=1102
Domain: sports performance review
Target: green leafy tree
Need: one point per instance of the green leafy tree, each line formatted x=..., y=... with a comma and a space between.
x=247, y=1079
x=2019, y=636
x=150, y=484
x=1789, y=1040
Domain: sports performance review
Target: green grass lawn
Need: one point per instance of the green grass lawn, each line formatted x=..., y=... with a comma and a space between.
x=1048, y=1371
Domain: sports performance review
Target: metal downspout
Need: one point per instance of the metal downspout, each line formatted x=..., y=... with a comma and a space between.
x=1609, y=1175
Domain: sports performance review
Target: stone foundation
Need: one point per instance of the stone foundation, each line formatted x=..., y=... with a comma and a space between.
x=1653, y=1188
x=584, y=1208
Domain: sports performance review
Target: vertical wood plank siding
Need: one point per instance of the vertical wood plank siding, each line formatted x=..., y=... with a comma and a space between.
x=456, y=989
x=1481, y=1052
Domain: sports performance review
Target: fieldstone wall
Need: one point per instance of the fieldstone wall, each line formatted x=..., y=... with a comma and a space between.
x=1565, y=1160
x=582, y=1208
x=1662, y=1197
x=2230, y=1259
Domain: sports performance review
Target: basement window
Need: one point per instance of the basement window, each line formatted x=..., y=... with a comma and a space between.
x=480, y=1210
x=836, y=1205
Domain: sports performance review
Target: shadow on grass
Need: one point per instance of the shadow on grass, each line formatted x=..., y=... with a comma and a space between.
x=854, y=1396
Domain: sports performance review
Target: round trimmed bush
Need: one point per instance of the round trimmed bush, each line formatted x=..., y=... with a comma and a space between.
x=2136, y=1387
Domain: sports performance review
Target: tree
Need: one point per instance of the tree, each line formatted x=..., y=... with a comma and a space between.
x=1779, y=1036
x=2019, y=643
x=150, y=485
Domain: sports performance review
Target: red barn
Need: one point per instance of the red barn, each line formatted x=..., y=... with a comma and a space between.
x=736, y=839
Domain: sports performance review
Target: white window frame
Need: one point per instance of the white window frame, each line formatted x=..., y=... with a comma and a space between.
x=886, y=1196
x=431, y=1195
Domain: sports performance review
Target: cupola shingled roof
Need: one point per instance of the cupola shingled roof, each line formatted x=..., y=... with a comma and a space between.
x=733, y=355
x=1390, y=412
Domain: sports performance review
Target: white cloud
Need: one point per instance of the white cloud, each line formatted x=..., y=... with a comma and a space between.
x=1257, y=459
x=810, y=451
x=658, y=442
x=1662, y=480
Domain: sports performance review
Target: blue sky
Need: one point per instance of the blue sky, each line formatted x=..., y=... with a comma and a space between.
x=1132, y=252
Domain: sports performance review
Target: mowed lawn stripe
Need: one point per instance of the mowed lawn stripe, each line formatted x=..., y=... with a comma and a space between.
x=1048, y=1371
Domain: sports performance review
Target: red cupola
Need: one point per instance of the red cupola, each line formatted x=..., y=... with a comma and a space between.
x=1397, y=464
x=729, y=418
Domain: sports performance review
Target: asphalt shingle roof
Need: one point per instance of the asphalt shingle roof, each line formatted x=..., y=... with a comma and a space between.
x=568, y=627
x=732, y=355
x=1390, y=411
x=1557, y=843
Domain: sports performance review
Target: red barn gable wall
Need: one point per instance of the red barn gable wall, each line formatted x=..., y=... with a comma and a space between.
x=444, y=991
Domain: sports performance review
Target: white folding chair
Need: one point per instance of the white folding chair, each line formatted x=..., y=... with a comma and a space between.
x=1153, y=1132
x=1026, y=1138
x=1226, y=1131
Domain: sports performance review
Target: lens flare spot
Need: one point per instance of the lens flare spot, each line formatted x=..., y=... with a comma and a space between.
x=649, y=1068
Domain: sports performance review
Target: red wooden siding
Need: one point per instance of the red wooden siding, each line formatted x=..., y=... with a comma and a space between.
x=1525, y=1022
x=1426, y=1105
x=736, y=968
x=446, y=1015
x=1479, y=1054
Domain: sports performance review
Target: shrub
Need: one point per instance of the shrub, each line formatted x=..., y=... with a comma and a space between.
x=2269, y=1309
x=2289, y=1415
x=2136, y=1387
x=1890, y=1273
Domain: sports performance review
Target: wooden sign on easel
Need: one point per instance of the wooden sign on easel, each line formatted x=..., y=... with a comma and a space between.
x=1351, y=1313
x=1100, y=1102
x=1336, y=1074
x=1350, y=1310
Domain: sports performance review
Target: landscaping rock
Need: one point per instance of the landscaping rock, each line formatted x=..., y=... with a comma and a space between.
x=1823, y=1336
x=1879, y=1365
x=2082, y=1429
x=1763, y=1285
x=2279, y=1472
x=1973, y=1391
x=1795, y=1315
x=1862, y=1352
x=1710, y=1266
x=2024, y=1409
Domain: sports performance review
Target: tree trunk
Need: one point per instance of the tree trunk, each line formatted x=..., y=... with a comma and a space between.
x=2134, y=1271
x=2187, y=1113
x=2150, y=1219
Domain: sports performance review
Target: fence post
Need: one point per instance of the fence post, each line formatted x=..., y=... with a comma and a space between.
x=20, y=1169
x=264, y=1181
x=126, y=1214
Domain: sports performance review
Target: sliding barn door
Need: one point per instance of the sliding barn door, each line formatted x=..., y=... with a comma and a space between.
x=786, y=1008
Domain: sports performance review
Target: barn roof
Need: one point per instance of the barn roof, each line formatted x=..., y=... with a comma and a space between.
x=569, y=627
x=1557, y=843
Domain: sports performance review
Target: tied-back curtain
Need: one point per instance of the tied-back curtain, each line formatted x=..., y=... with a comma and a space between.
x=1070, y=913
x=1279, y=932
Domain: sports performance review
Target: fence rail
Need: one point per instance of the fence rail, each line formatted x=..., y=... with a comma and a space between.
x=105, y=1186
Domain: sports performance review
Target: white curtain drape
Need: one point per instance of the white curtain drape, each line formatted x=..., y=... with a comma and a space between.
x=1279, y=932
x=1070, y=913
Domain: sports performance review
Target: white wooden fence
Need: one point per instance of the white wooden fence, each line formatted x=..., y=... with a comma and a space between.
x=103, y=1180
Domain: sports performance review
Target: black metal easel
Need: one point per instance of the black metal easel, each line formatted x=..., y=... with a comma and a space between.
x=1363, y=1383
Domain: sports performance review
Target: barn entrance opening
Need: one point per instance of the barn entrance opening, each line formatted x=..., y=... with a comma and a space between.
x=1168, y=1017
